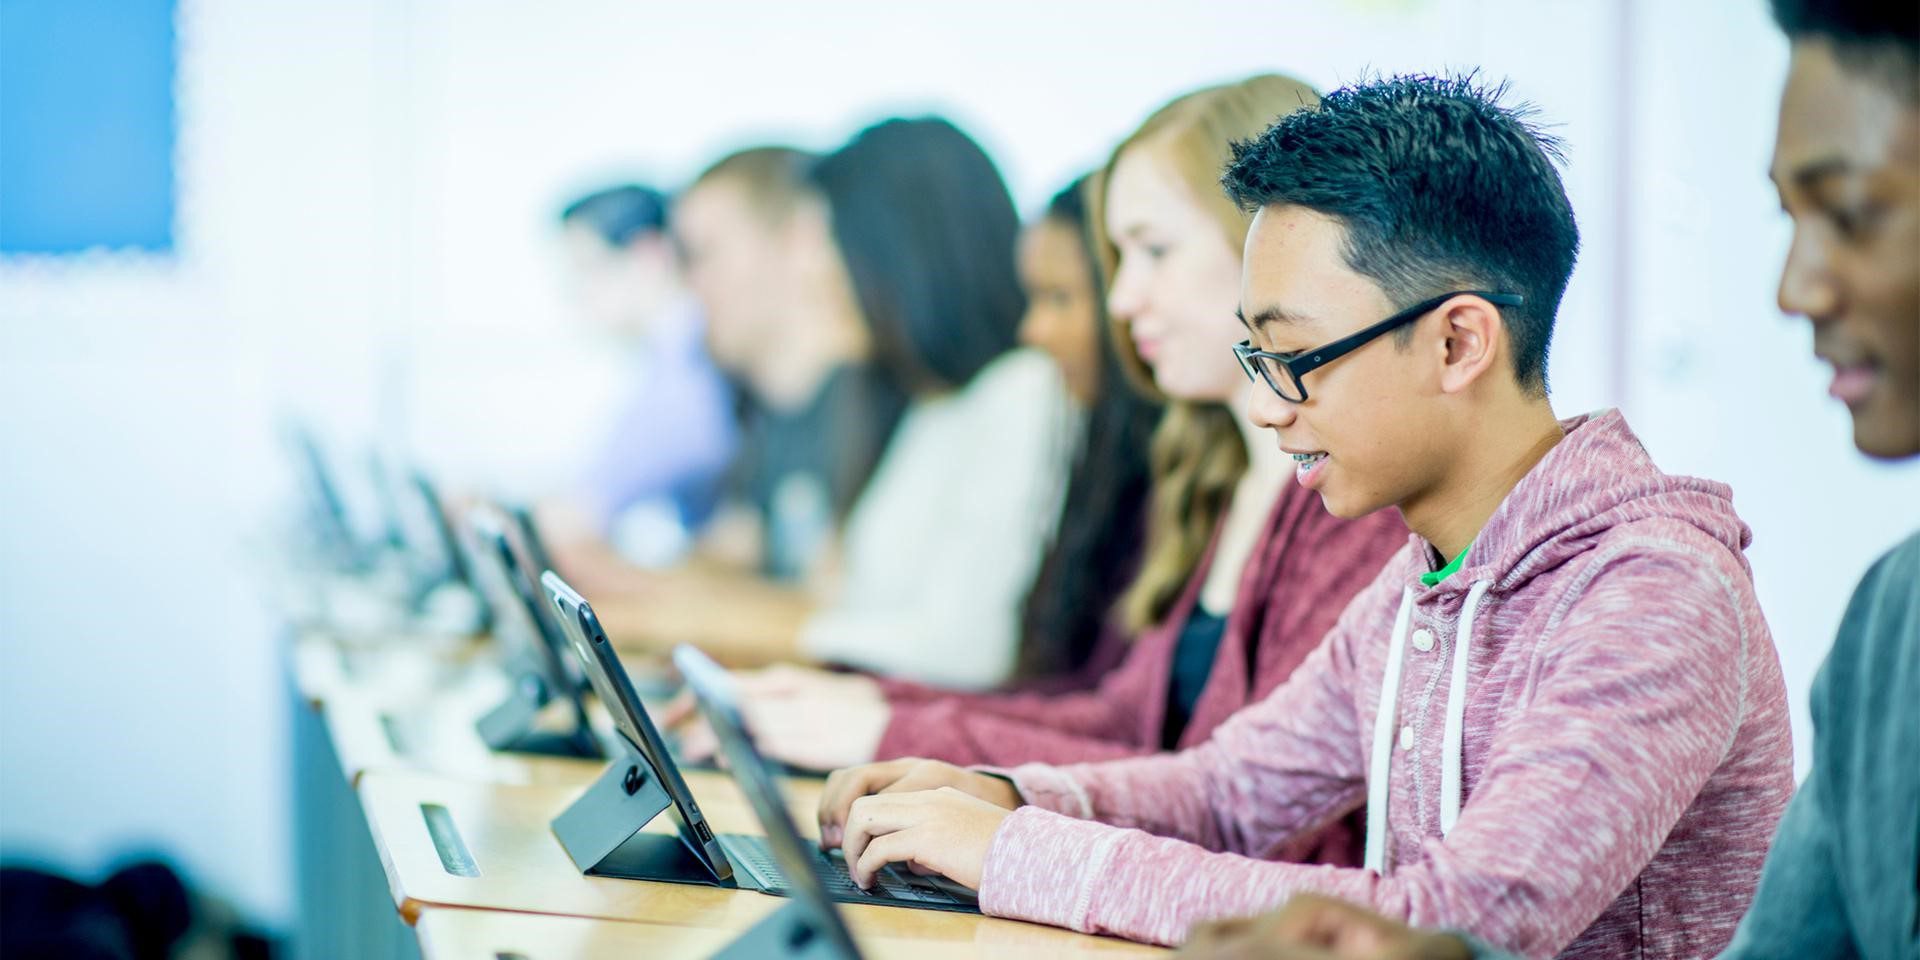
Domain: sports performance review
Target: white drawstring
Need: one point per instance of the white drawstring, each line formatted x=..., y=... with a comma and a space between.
x=1383, y=739
x=1452, y=746
x=1451, y=749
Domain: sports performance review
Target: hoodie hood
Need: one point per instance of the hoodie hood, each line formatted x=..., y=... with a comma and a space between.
x=1596, y=478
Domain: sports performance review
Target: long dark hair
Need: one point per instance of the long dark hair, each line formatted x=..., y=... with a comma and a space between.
x=926, y=229
x=1096, y=550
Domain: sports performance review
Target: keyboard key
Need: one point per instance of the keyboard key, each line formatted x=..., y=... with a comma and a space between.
x=892, y=883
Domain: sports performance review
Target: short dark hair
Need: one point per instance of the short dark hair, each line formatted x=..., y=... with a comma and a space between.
x=927, y=229
x=1438, y=186
x=619, y=214
x=773, y=178
x=1877, y=39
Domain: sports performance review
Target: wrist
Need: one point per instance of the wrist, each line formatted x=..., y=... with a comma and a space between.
x=1001, y=791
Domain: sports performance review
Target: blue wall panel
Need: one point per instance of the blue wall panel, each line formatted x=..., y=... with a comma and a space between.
x=86, y=125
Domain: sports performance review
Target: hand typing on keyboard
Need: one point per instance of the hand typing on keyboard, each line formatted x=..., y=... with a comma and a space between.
x=943, y=831
x=905, y=775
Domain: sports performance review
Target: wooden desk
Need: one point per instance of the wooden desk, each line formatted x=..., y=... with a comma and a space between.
x=436, y=737
x=413, y=706
x=490, y=935
x=325, y=663
x=522, y=867
x=523, y=896
x=317, y=667
x=450, y=934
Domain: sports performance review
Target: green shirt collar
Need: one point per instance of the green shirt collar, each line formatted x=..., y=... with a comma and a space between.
x=1429, y=579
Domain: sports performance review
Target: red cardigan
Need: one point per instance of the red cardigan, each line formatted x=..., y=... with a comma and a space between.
x=1302, y=572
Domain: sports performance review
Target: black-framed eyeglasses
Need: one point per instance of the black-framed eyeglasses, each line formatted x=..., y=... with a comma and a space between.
x=1282, y=371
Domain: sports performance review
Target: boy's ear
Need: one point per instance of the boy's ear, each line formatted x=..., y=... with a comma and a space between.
x=1475, y=339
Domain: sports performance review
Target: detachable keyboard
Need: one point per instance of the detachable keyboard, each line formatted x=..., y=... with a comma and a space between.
x=893, y=886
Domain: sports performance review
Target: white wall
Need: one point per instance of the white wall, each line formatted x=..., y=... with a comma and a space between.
x=516, y=112
x=1724, y=386
x=141, y=697
x=367, y=188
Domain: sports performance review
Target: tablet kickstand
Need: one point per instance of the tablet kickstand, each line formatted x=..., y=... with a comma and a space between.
x=602, y=832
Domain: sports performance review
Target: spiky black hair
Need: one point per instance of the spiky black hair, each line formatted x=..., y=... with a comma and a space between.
x=1439, y=186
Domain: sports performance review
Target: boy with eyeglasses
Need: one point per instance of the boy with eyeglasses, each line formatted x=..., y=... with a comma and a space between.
x=1560, y=701
x=1843, y=877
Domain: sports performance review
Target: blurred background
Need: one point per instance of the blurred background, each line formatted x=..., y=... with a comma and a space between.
x=220, y=215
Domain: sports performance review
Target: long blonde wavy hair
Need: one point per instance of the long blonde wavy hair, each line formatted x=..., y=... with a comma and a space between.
x=1198, y=455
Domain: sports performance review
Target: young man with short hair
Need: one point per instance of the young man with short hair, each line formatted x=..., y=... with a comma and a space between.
x=1843, y=876
x=1560, y=702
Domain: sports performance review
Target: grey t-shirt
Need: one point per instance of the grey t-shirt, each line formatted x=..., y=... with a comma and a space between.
x=801, y=471
x=1843, y=877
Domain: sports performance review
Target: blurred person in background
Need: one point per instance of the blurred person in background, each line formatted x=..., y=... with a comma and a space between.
x=1239, y=561
x=1068, y=635
x=939, y=548
x=816, y=409
x=657, y=475
x=819, y=410
x=1071, y=635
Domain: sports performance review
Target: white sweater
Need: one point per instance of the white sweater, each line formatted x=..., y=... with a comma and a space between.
x=943, y=545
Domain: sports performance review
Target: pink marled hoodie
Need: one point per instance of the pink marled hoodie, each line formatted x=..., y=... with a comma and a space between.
x=1623, y=748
